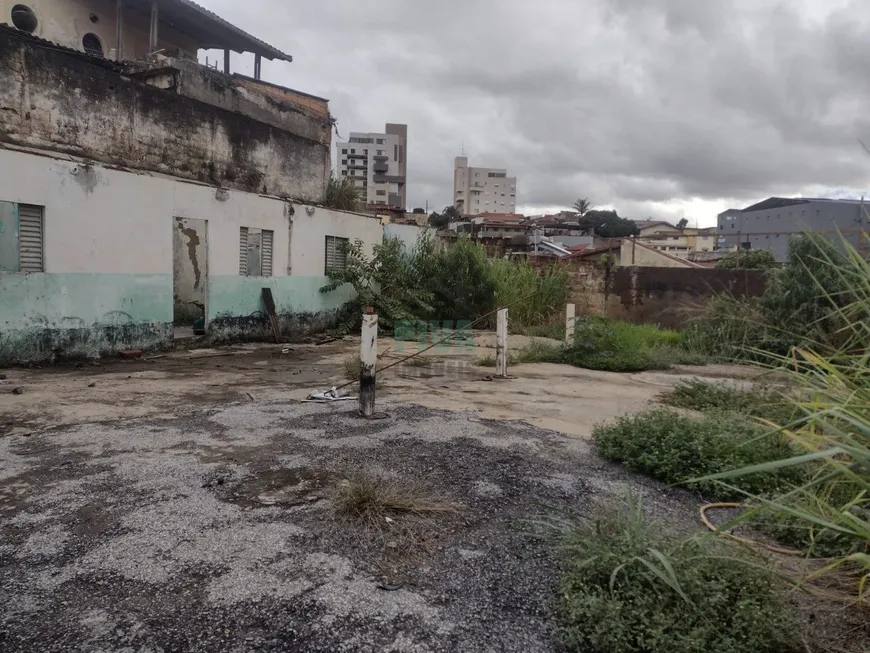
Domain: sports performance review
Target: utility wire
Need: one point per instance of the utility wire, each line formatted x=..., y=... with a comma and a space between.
x=450, y=337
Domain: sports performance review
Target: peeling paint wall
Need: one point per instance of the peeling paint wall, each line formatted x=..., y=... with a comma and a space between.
x=109, y=238
x=189, y=269
x=59, y=101
x=299, y=267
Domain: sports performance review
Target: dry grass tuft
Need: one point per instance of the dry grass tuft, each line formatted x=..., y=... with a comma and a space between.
x=419, y=361
x=352, y=366
x=371, y=498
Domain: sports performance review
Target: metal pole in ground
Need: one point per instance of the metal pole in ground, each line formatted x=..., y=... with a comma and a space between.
x=501, y=344
x=569, y=324
x=368, y=355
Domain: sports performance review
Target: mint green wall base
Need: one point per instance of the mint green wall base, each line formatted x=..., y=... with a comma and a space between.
x=44, y=316
x=49, y=316
x=239, y=296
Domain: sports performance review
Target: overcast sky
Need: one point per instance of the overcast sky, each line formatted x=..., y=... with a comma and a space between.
x=663, y=108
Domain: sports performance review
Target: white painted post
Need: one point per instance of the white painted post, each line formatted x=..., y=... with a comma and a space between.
x=569, y=324
x=368, y=360
x=501, y=344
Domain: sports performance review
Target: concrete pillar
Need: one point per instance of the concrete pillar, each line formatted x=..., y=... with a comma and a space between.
x=501, y=344
x=227, y=62
x=258, y=66
x=119, y=30
x=155, y=21
x=569, y=324
x=368, y=360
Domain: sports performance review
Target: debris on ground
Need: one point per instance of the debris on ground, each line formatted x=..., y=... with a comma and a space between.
x=131, y=354
x=335, y=394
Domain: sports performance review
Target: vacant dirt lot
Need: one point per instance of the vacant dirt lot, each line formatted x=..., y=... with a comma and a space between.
x=187, y=503
x=558, y=397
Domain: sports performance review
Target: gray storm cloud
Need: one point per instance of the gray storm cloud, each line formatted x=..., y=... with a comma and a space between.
x=630, y=103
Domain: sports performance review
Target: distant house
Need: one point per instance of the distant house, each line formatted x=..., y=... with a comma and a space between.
x=651, y=227
x=683, y=243
x=632, y=251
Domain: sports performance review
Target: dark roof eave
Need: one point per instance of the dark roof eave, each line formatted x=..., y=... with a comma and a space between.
x=236, y=39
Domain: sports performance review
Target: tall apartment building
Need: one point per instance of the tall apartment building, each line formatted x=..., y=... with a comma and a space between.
x=378, y=164
x=482, y=190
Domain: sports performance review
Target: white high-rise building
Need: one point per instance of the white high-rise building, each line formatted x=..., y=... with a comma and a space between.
x=377, y=163
x=482, y=190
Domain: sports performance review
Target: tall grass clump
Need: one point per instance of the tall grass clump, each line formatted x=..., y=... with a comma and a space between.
x=614, y=346
x=628, y=587
x=543, y=295
x=343, y=194
x=830, y=372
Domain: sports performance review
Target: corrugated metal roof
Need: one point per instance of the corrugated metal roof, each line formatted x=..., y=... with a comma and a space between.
x=213, y=31
x=774, y=203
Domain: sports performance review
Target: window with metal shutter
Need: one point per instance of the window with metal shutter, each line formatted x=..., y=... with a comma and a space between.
x=30, y=238
x=243, y=251
x=336, y=253
x=266, y=253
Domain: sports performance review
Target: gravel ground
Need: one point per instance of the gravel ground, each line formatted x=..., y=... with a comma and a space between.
x=218, y=532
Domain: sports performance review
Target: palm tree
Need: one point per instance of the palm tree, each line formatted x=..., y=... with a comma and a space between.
x=582, y=206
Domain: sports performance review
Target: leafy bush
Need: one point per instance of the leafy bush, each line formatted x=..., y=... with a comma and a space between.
x=628, y=588
x=675, y=449
x=382, y=282
x=751, y=259
x=705, y=396
x=456, y=284
x=800, y=307
x=802, y=298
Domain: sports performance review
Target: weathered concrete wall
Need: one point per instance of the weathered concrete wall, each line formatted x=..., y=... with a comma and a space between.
x=409, y=234
x=189, y=269
x=108, y=281
x=667, y=296
x=57, y=100
x=288, y=110
x=640, y=255
x=656, y=295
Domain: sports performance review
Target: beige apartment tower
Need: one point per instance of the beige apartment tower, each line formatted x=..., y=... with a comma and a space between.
x=482, y=190
x=377, y=163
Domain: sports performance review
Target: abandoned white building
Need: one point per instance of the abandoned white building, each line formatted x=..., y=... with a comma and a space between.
x=140, y=188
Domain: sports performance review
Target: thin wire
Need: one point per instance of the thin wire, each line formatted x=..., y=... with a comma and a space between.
x=450, y=337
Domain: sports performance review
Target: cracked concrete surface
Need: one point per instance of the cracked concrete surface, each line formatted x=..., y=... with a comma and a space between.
x=185, y=503
x=147, y=535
